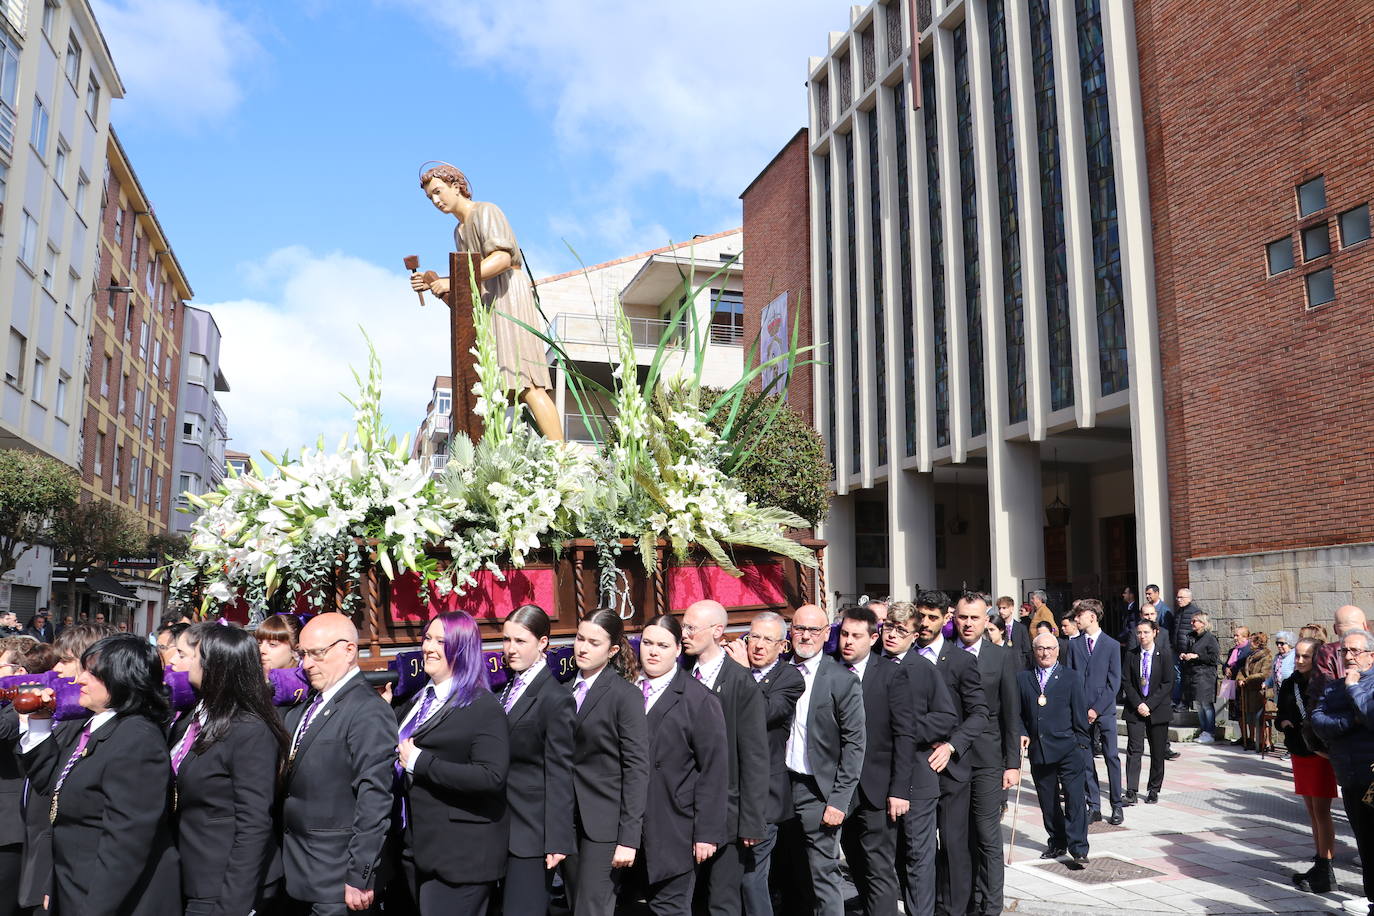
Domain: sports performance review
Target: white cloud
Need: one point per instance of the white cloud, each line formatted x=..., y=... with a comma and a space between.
x=286, y=355
x=698, y=94
x=181, y=61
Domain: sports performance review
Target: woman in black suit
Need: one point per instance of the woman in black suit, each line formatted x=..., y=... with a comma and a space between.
x=110, y=789
x=227, y=756
x=610, y=763
x=1200, y=655
x=1149, y=689
x=541, y=714
x=684, y=818
x=454, y=754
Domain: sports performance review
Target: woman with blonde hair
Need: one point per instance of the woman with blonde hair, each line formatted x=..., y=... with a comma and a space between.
x=1200, y=656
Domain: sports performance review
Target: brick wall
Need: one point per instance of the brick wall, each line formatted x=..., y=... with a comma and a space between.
x=777, y=254
x=1267, y=402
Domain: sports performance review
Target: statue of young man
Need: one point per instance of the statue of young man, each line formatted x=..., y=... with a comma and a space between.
x=506, y=290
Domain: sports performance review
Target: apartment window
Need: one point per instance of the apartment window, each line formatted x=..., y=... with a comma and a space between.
x=38, y=132
x=1354, y=225
x=162, y=431
x=118, y=460
x=15, y=358
x=49, y=17
x=1321, y=287
x=73, y=62
x=143, y=341
x=73, y=288
x=83, y=184
x=443, y=403
x=9, y=90
x=1279, y=255
x=105, y=377
x=28, y=241
x=1312, y=196
x=138, y=407
x=60, y=404
x=167, y=368
x=133, y=478
x=40, y=376
x=158, y=504
x=193, y=428
x=148, y=279
x=4, y=183
x=152, y=417
x=147, y=483
x=92, y=96
x=119, y=229
x=129, y=321
x=1316, y=242
x=197, y=368
x=59, y=163
x=157, y=355
x=49, y=268
x=136, y=243
x=123, y=395
x=99, y=463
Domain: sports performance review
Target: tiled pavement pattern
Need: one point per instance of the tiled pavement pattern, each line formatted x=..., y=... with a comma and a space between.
x=1225, y=837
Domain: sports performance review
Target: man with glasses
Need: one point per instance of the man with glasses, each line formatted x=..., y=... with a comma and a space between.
x=336, y=807
x=782, y=685
x=1054, y=721
x=1342, y=719
x=824, y=756
x=746, y=748
x=1184, y=609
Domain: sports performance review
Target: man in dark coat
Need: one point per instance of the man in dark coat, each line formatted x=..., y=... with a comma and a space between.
x=1054, y=719
x=1097, y=658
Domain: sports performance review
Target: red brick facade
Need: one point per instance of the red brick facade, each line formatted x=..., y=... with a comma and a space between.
x=777, y=254
x=1267, y=402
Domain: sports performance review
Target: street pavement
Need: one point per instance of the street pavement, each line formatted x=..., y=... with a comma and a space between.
x=1225, y=837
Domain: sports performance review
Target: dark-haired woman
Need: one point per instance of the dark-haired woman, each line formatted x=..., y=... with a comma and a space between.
x=684, y=817
x=279, y=642
x=226, y=757
x=541, y=715
x=610, y=763
x=1313, y=777
x=110, y=790
x=455, y=752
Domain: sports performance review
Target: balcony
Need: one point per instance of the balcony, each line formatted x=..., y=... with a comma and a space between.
x=437, y=463
x=7, y=119
x=438, y=424
x=571, y=327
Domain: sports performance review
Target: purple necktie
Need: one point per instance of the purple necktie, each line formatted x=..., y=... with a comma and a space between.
x=968, y=648
x=1090, y=644
x=71, y=761
x=1044, y=675
x=1145, y=674
x=697, y=674
x=1009, y=631
x=512, y=691
x=418, y=719
x=306, y=719
x=183, y=747
x=580, y=694
x=853, y=669
x=648, y=692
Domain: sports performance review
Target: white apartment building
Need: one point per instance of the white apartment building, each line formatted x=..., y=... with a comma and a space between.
x=56, y=82
x=983, y=268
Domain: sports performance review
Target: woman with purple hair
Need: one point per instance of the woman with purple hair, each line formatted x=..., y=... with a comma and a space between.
x=454, y=754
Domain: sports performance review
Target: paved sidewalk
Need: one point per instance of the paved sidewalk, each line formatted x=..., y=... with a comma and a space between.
x=1225, y=837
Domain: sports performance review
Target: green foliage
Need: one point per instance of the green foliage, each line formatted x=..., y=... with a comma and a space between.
x=97, y=531
x=32, y=488
x=784, y=462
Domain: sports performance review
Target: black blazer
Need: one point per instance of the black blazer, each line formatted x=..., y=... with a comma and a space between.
x=1101, y=671
x=960, y=671
x=112, y=841
x=999, y=746
x=35, y=877
x=457, y=794
x=835, y=732
x=781, y=688
x=336, y=806
x=1160, y=701
x=224, y=826
x=611, y=761
x=12, y=831
x=746, y=735
x=689, y=779
x=1020, y=646
x=1058, y=730
x=933, y=710
x=539, y=787
x=890, y=734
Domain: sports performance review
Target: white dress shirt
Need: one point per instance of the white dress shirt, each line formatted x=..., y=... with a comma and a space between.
x=761, y=673
x=974, y=647
x=526, y=678
x=325, y=696
x=441, y=695
x=36, y=731
x=656, y=687
x=796, y=758
x=859, y=667
x=708, y=672
x=931, y=653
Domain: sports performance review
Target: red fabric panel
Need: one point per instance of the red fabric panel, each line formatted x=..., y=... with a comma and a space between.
x=491, y=598
x=760, y=584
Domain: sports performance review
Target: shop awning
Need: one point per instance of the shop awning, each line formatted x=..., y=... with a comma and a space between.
x=107, y=586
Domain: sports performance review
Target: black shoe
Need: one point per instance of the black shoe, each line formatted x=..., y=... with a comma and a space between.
x=1079, y=862
x=1118, y=816
x=1053, y=852
x=1172, y=755
x=1152, y=798
x=1129, y=799
x=1094, y=816
x=1320, y=879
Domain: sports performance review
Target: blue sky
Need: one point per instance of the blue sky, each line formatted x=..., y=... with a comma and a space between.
x=280, y=143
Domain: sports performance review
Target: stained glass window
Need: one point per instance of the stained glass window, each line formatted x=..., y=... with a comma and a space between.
x=1013, y=302
x=968, y=213
x=904, y=254
x=851, y=236
x=937, y=251
x=875, y=241
x=828, y=291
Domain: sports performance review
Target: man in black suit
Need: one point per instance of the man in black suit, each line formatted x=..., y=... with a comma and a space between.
x=953, y=758
x=719, y=878
x=40, y=628
x=996, y=752
x=824, y=757
x=932, y=709
x=869, y=837
x=1148, y=707
x=1015, y=635
x=1097, y=659
x=1054, y=719
x=782, y=686
x=337, y=791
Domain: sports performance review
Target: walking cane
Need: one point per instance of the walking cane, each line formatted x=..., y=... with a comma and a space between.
x=1015, y=810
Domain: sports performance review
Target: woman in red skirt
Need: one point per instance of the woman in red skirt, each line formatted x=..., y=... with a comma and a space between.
x=1313, y=777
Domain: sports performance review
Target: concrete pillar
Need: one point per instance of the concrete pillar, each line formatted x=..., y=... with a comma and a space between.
x=1016, y=515
x=841, y=574
x=911, y=533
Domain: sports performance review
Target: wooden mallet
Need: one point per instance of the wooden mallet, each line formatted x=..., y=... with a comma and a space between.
x=412, y=262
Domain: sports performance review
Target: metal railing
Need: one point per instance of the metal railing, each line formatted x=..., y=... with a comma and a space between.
x=571, y=327
x=439, y=424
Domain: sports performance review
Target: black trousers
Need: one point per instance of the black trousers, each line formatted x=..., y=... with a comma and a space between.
x=1361, y=818
x=985, y=846
x=11, y=863
x=1137, y=733
x=955, y=883
x=718, y=882
x=916, y=857
x=1066, y=829
x=439, y=898
x=592, y=883
x=869, y=841
x=672, y=896
x=526, y=887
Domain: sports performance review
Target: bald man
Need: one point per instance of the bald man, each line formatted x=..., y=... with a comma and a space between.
x=719, y=879
x=1329, y=665
x=336, y=807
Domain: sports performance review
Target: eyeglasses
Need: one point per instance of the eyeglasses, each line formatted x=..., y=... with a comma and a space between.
x=899, y=631
x=1351, y=650
x=763, y=640
x=319, y=654
x=689, y=630
x=1046, y=648
x=808, y=631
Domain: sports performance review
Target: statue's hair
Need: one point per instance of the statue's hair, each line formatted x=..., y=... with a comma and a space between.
x=449, y=174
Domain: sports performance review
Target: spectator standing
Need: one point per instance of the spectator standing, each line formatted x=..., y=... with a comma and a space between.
x=40, y=628
x=9, y=624
x=1329, y=665
x=1184, y=609
x=1015, y=635
x=1200, y=657
x=1313, y=778
x=1250, y=689
x=1282, y=668
x=1040, y=610
x=1164, y=616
